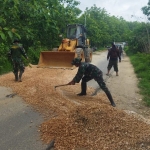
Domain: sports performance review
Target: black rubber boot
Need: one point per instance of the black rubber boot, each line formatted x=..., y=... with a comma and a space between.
x=20, y=76
x=111, y=99
x=81, y=94
x=16, y=76
x=83, y=89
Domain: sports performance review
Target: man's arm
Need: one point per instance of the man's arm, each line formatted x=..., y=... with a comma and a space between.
x=9, y=55
x=78, y=76
x=23, y=52
x=118, y=53
x=108, y=55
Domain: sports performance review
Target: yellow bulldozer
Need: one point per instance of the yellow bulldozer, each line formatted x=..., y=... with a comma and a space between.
x=74, y=45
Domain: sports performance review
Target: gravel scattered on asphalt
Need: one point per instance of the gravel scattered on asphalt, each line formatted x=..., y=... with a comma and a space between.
x=87, y=122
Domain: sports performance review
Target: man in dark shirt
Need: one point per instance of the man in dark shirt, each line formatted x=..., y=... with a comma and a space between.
x=120, y=50
x=87, y=72
x=113, y=56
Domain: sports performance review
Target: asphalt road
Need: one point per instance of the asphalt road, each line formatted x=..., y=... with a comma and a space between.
x=19, y=122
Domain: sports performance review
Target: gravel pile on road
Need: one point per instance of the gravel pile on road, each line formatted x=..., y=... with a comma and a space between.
x=77, y=123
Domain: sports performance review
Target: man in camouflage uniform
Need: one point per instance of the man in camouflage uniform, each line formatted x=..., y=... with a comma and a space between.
x=16, y=51
x=87, y=72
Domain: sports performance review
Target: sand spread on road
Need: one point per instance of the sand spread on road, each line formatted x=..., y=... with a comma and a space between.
x=87, y=122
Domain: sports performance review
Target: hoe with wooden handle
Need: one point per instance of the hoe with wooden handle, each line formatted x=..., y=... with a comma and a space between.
x=61, y=85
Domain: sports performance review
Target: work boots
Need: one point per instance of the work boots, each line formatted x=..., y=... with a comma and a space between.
x=16, y=76
x=83, y=89
x=20, y=75
x=81, y=94
x=111, y=99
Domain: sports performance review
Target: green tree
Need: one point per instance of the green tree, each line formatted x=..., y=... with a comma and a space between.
x=102, y=28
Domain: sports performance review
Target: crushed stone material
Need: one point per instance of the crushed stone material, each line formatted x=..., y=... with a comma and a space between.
x=77, y=123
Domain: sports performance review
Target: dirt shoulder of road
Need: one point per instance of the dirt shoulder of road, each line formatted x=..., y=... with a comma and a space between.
x=125, y=91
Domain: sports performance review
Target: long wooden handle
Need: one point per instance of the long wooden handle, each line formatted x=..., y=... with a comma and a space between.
x=61, y=85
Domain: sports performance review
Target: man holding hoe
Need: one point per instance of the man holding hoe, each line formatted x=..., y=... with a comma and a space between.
x=87, y=72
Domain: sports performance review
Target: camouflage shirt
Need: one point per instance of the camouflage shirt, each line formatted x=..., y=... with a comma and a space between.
x=16, y=51
x=86, y=69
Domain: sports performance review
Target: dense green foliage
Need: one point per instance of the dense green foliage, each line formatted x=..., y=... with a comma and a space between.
x=38, y=25
x=103, y=29
x=139, y=40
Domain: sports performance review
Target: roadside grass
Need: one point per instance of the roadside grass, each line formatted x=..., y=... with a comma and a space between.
x=141, y=64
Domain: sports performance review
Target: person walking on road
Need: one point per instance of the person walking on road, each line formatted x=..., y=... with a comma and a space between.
x=87, y=72
x=113, y=56
x=121, y=51
x=15, y=53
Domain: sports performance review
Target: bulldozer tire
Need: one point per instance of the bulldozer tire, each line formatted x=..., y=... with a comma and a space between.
x=79, y=53
x=55, y=49
x=88, y=54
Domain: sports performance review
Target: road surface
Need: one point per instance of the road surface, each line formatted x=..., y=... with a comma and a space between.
x=19, y=122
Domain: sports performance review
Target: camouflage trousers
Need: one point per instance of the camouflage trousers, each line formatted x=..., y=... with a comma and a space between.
x=18, y=65
x=99, y=79
x=113, y=63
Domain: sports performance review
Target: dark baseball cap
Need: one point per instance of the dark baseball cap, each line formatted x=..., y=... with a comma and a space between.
x=76, y=61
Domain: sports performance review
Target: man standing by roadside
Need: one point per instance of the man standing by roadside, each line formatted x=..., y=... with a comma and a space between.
x=113, y=56
x=16, y=51
x=87, y=72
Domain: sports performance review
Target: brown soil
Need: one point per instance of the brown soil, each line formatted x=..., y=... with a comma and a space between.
x=88, y=122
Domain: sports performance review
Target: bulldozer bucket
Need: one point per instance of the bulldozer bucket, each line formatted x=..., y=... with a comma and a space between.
x=56, y=59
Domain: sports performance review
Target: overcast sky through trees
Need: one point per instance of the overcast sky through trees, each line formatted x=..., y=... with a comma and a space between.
x=124, y=8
